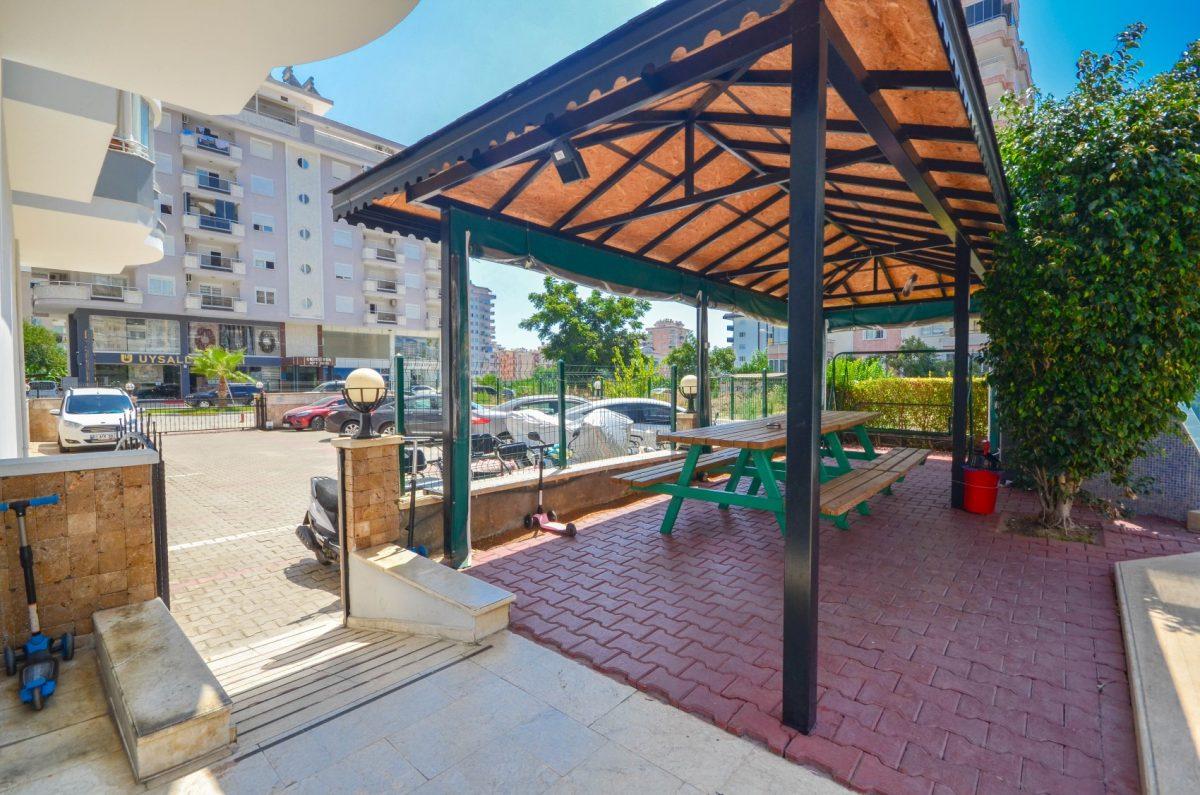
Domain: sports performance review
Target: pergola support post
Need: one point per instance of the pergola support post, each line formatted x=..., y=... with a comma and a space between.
x=962, y=385
x=456, y=396
x=806, y=226
x=704, y=397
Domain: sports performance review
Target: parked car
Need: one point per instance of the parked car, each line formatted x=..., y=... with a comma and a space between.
x=650, y=417
x=157, y=392
x=41, y=388
x=422, y=389
x=498, y=415
x=90, y=417
x=243, y=394
x=330, y=386
x=422, y=417
x=312, y=417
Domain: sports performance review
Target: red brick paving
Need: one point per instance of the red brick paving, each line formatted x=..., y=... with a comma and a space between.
x=953, y=658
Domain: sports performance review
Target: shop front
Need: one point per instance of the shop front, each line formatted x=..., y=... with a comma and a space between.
x=299, y=373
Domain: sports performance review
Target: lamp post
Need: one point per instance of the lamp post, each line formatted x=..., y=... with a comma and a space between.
x=365, y=389
x=689, y=387
x=598, y=388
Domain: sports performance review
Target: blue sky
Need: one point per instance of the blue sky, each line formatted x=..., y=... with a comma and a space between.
x=449, y=56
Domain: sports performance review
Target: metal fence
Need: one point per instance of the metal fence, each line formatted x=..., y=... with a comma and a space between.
x=176, y=416
x=140, y=432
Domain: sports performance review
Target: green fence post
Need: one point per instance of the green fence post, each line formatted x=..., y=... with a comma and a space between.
x=674, y=397
x=398, y=399
x=562, y=414
x=765, y=406
x=732, y=396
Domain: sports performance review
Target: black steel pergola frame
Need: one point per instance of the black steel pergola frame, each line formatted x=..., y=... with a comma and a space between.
x=947, y=241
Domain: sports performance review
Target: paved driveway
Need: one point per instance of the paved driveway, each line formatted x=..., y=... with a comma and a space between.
x=233, y=501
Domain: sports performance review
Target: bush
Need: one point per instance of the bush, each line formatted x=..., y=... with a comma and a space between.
x=915, y=404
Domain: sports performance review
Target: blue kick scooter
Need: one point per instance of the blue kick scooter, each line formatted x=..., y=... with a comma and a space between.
x=38, y=664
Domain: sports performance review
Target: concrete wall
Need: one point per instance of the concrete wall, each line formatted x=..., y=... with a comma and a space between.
x=43, y=426
x=93, y=550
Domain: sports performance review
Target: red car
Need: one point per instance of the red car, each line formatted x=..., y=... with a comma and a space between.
x=313, y=417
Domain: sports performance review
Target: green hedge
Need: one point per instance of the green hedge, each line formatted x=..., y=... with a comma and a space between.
x=913, y=404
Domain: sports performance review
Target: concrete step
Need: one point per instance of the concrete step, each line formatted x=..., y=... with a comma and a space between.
x=395, y=589
x=170, y=710
x=1160, y=617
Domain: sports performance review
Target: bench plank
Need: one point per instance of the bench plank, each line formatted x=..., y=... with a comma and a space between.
x=899, y=459
x=660, y=473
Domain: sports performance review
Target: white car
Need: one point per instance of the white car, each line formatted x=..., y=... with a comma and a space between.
x=90, y=417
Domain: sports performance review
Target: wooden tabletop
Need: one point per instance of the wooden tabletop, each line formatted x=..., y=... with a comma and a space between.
x=768, y=433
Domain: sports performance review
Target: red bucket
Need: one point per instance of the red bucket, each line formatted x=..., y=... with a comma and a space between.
x=979, y=490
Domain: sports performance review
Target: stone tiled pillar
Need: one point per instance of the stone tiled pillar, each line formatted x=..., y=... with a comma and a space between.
x=369, y=471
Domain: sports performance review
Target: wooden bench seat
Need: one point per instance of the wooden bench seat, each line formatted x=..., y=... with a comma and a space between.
x=899, y=459
x=669, y=470
x=854, y=488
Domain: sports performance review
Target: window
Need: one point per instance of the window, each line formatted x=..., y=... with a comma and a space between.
x=302, y=162
x=873, y=334
x=262, y=185
x=160, y=285
x=412, y=311
x=932, y=331
x=340, y=171
x=306, y=268
x=343, y=238
x=412, y=280
x=304, y=233
x=166, y=203
x=164, y=122
x=264, y=296
x=302, y=198
x=414, y=251
x=264, y=260
x=163, y=163
x=343, y=270
x=344, y=303
x=261, y=148
x=169, y=245
x=263, y=222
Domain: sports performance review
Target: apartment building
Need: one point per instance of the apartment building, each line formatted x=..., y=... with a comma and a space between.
x=481, y=316
x=748, y=336
x=252, y=259
x=1002, y=57
x=514, y=363
x=663, y=337
x=81, y=95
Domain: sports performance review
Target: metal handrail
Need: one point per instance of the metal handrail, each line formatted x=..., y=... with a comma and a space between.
x=215, y=262
x=130, y=147
x=387, y=254
x=212, y=143
x=210, y=182
x=213, y=222
x=385, y=317
x=208, y=301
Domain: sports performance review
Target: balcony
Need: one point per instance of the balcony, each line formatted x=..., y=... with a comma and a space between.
x=209, y=148
x=212, y=226
x=211, y=185
x=214, y=264
x=218, y=303
x=374, y=254
x=382, y=319
x=386, y=287
x=48, y=294
x=433, y=269
x=433, y=296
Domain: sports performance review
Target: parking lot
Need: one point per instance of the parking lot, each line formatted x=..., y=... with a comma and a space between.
x=233, y=501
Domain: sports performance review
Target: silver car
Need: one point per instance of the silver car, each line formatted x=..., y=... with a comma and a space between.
x=497, y=416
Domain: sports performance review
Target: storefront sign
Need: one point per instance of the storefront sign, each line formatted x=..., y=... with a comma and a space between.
x=153, y=358
x=308, y=361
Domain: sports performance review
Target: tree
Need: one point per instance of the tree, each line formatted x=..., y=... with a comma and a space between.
x=631, y=379
x=758, y=362
x=920, y=360
x=44, y=357
x=720, y=360
x=585, y=331
x=221, y=364
x=1093, y=306
x=683, y=356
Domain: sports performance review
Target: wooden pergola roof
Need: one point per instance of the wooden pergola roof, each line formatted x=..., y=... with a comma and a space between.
x=682, y=118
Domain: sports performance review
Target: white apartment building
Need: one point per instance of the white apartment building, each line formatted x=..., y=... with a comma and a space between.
x=748, y=336
x=481, y=316
x=82, y=89
x=252, y=258
x=1001, y=55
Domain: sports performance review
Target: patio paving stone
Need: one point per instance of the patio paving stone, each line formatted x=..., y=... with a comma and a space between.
x=954, y=657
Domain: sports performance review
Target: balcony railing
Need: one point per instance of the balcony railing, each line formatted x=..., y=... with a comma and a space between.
x=192, y=140
x=214, y=223
x=384, y=318
x=381, y=286
x=216, y=263
x=213, y=182
x=433, y=295
x=382, y=254
x=78, y=292
x=222, y=303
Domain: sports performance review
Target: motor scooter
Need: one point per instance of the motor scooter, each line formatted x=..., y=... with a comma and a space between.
x=319, y=530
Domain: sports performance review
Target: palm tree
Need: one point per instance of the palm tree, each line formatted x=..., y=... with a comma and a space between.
x=221, y=364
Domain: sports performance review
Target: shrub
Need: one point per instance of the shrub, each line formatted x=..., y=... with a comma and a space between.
x=915, y=404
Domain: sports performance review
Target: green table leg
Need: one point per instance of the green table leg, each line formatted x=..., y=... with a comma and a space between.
x=766, y=474
x=839, y=454
x=860, y=431
x=735, y=476
x=685, y=477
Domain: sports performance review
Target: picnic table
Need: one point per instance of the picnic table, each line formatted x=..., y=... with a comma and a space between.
x=750, y=449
